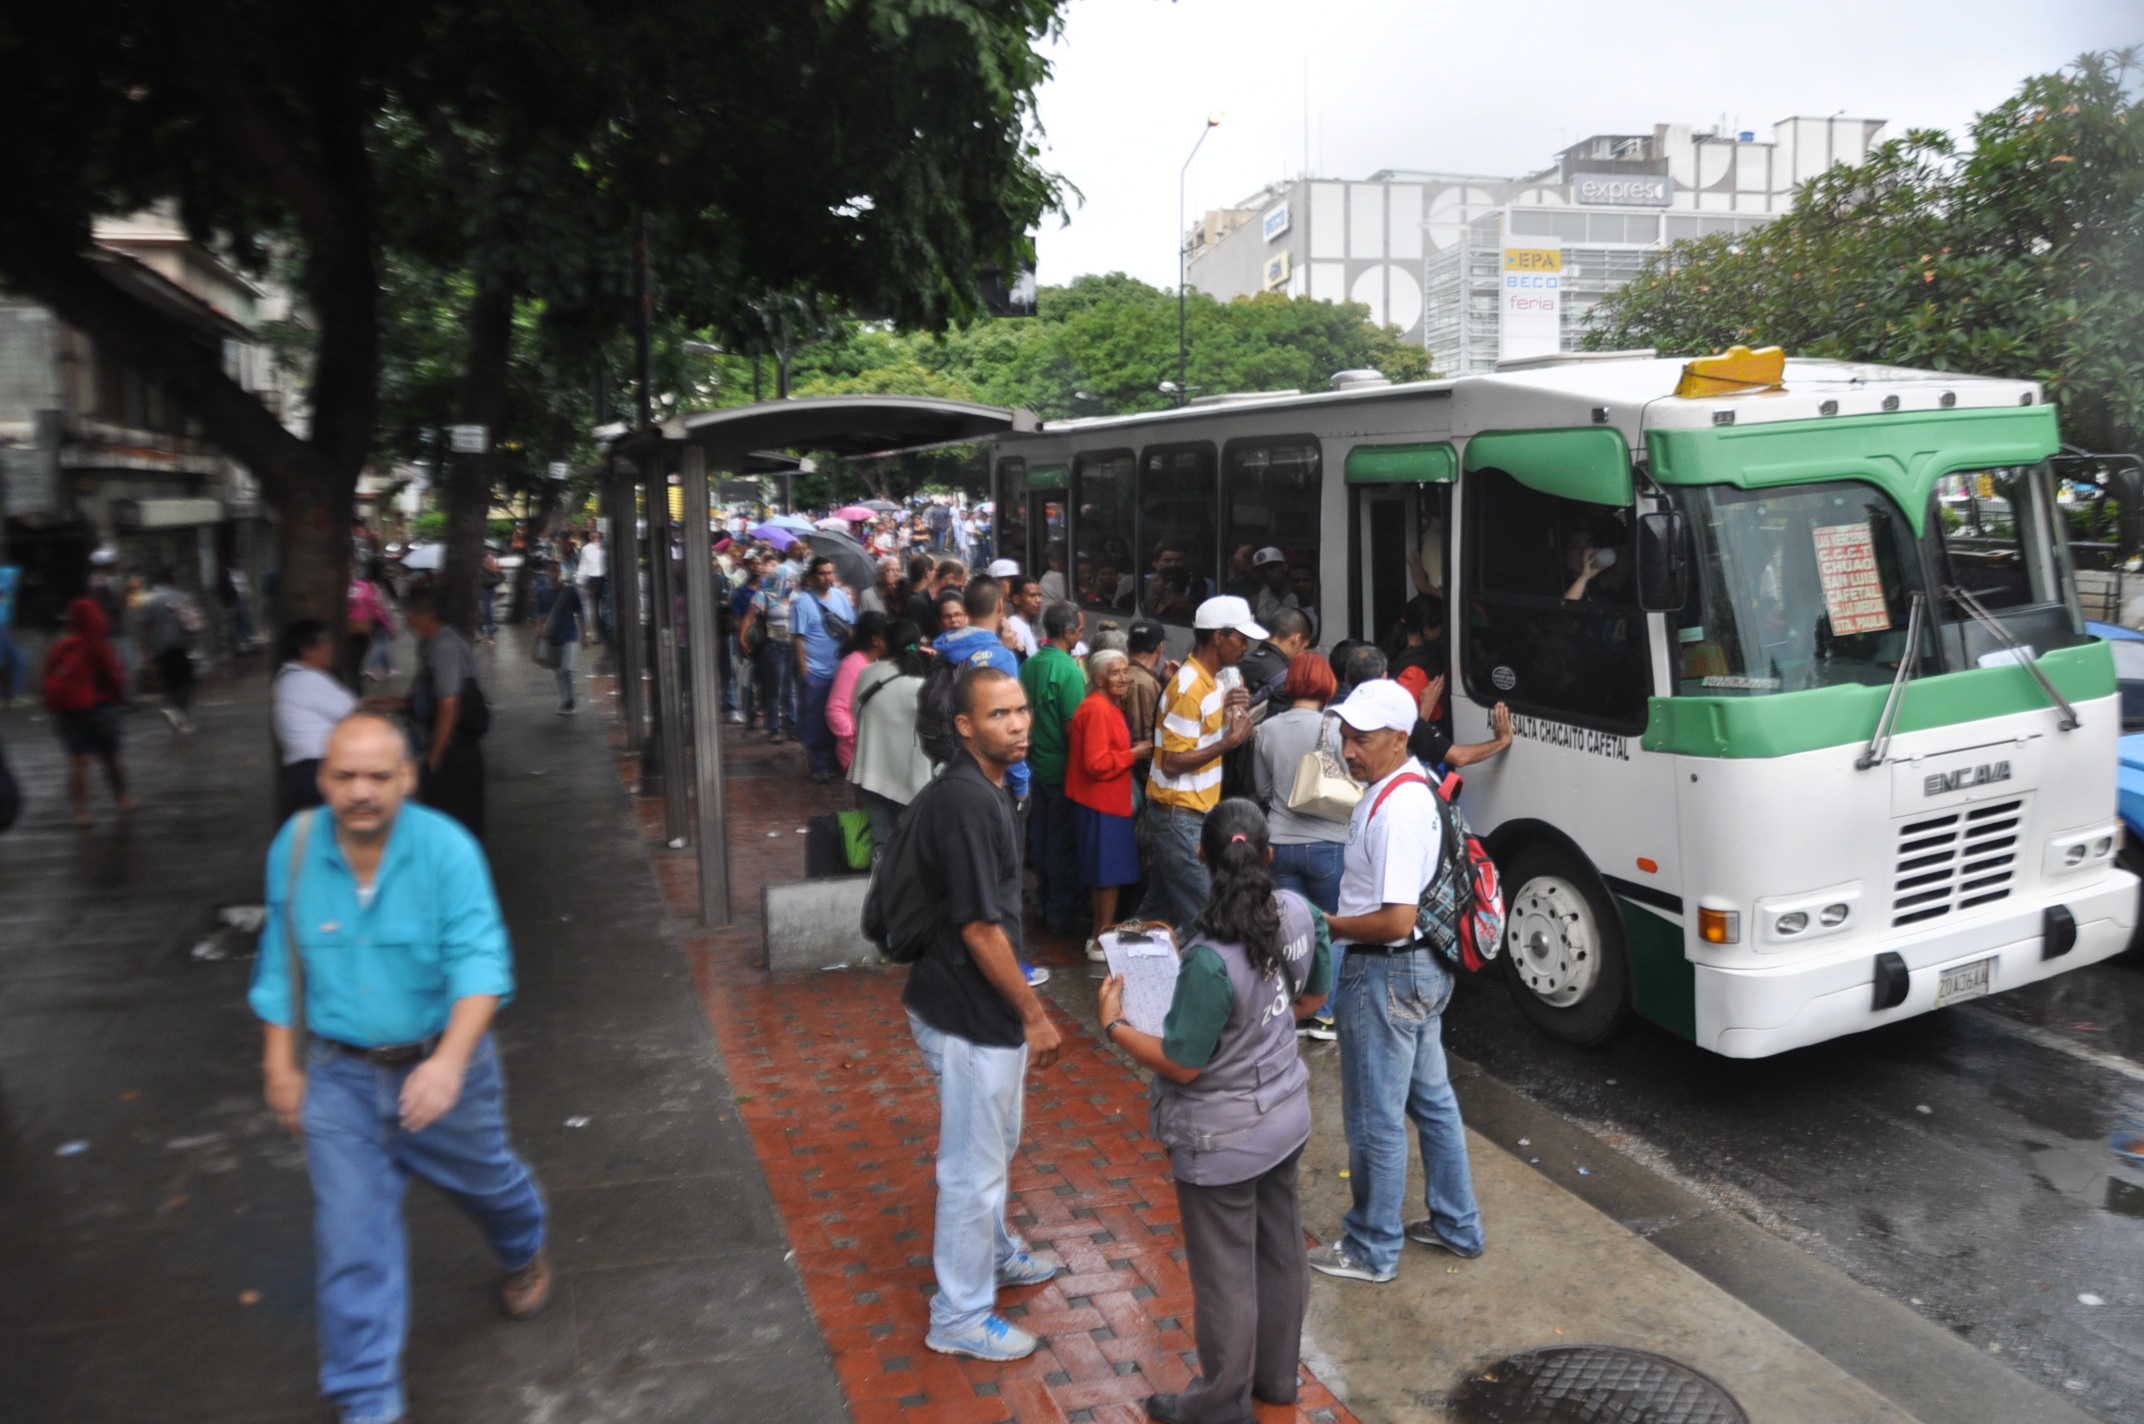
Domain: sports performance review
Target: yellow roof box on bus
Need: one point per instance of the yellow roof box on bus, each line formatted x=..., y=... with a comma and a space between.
x=1738, y=369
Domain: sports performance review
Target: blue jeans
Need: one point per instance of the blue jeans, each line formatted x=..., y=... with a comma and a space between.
x=818, y=738
x=1390, y=1010
x=489, y=623
x=1311, y=870
x=776, y=687
x=979, y=1090
x=1177, y=886
x=361, y=1160
x=1053, y=846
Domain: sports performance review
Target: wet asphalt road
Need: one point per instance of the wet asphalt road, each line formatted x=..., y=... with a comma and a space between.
x=1957, y=1162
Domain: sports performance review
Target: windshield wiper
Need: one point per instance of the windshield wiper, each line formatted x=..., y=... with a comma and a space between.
x=2070, y=720
x=1873, y=753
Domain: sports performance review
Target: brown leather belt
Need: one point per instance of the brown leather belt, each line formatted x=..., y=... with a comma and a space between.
x=388, y=1055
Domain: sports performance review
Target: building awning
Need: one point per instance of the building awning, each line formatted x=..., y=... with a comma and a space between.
x=1590, y=462
x=857, y=427
x=133, y=514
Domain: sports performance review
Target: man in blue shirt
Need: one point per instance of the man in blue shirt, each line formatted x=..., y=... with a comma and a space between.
x=819, y=657
x=404, y=961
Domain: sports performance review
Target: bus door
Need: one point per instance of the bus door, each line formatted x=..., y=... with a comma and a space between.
x=1399, y=531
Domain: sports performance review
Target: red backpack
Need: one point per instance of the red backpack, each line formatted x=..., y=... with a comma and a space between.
x=1461, y=911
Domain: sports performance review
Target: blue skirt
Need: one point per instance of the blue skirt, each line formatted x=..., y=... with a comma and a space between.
x=1108, y=848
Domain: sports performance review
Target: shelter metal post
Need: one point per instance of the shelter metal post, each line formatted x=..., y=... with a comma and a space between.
x=625, y=634
x=669, y=696
x=703, y=631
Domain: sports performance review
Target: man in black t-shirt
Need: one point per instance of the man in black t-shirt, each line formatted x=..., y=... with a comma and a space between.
x=978, y=1023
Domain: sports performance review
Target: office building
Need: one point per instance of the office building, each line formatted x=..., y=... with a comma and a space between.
x=1480, y=269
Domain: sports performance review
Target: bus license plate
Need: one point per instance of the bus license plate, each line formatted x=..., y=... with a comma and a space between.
x=1967, y=981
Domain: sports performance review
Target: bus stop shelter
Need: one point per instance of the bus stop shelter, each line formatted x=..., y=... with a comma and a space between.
x=735, y=441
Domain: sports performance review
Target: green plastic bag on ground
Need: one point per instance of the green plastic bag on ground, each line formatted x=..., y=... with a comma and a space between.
x=856, y=838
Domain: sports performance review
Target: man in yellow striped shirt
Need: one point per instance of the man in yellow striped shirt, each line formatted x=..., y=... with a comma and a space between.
x=1200, y=723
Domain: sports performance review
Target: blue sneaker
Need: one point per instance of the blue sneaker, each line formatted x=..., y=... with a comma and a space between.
x=1037, y=976
x=995, y=1338
x=1024, y=1269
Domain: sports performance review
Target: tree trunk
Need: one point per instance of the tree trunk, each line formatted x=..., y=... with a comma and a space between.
x=468, y=490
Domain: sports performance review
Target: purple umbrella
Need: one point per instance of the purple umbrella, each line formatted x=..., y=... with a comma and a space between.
x=774, y=534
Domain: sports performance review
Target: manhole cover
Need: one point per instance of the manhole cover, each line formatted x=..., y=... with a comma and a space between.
x=1592, y=1384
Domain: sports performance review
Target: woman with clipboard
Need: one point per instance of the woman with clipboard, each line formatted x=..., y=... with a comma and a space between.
x=1231, y=1102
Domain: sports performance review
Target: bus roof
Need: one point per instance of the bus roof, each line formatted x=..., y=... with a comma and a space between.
x=1633, y=394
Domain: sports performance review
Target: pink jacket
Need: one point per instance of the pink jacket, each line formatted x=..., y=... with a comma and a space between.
x=841, y=706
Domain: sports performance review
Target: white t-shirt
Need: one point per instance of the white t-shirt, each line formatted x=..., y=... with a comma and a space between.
x=1391, y=857
x=308, y=704
x=594, y=562
x=1028, y=646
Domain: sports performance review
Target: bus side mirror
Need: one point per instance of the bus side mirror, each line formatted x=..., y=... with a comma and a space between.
x=1663, y=562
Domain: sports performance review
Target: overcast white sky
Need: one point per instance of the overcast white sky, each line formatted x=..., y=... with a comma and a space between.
x=1492, y=88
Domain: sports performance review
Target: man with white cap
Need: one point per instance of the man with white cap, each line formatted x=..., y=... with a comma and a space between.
x=1200, y=723
x=1389, y=1004
x=1004, y=568
x=1270, y=567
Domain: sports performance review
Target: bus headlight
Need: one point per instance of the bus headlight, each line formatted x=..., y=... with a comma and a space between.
x=2071, y=852
x=1718, y=926
x=1784, y=921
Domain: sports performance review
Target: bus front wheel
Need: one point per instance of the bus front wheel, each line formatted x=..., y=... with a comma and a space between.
x=1564, y=959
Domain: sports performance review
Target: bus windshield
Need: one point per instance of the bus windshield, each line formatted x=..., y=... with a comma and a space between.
x=1800, y=587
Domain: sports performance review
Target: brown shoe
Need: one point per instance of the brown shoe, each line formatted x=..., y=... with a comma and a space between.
x=525, y=1291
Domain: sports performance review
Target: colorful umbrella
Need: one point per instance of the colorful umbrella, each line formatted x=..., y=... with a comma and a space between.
x=775, y=534
x=795, y=522
x=855, y=514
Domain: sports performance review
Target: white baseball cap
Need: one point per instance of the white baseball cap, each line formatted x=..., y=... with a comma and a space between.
x=1379, y=705
x=1268, y=555
x=1003, y=568
x=1229, y=611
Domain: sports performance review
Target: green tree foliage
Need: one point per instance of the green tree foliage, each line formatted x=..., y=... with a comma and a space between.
x=2019, y=253
x=873, y=154
x=1104, y=344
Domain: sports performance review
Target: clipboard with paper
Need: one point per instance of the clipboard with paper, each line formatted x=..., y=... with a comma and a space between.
x=1146, y=956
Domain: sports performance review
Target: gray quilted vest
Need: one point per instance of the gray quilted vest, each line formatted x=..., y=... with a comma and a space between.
x=1250, y=1105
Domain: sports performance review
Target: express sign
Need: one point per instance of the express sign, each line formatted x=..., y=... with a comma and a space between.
x=1622, y=190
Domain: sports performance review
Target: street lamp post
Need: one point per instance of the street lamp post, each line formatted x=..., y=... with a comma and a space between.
x=1183, y=255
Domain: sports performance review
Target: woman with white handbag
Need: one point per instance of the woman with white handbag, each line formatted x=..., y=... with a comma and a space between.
x=1298, y=777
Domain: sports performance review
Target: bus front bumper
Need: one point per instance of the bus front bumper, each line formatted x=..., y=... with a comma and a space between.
x=1760, y=1011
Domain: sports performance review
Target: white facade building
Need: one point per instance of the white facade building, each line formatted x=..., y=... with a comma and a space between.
x=1479, y=269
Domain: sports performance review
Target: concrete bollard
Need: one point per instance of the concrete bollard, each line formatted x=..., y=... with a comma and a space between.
x=816, y=924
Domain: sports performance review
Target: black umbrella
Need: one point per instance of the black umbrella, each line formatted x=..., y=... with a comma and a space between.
x=881, y=506
x=852, y=565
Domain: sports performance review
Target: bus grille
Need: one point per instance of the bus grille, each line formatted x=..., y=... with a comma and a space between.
x=1956, y=861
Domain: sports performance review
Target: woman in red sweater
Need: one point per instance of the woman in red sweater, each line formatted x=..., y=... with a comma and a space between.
x=1098, y=781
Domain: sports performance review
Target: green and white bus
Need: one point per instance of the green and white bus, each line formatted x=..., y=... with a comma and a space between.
x=1790, y=763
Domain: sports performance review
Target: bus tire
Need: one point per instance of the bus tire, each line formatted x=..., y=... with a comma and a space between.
x=1564, y=959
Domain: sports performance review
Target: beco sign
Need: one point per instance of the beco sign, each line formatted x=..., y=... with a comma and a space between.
x=1530, y=319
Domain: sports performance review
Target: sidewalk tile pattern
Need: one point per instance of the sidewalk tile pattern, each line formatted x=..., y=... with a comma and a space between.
x=843, y=1116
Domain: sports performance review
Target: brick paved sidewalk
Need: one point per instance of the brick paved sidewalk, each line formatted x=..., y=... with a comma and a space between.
x=843, y=1115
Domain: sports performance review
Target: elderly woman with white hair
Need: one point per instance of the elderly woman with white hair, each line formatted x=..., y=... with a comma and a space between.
x=1099, y=758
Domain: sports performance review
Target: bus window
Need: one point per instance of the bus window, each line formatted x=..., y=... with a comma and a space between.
x=1272, y=524
x=1008, y=522
x=1176, y=531
x=1797, y=587
x=1999, y=539
x=1103, y=533
x=1553, y=625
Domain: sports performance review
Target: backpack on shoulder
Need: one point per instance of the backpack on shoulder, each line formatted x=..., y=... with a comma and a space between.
x=1461, y=912
x=900, y=913
x=935, y=728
